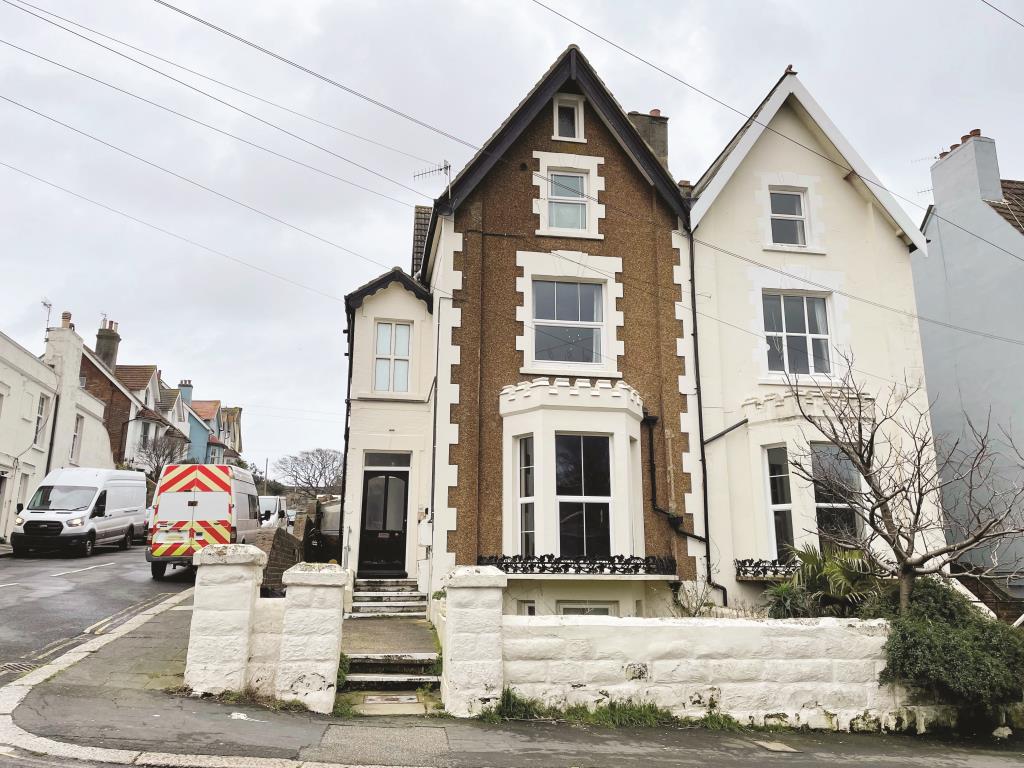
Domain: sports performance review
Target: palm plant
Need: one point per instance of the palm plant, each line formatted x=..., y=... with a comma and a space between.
x=836, y=581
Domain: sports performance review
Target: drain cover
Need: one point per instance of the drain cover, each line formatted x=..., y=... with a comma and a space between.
x=392, y=699
x=17, y=666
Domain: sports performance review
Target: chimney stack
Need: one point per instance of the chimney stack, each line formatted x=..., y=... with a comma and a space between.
x=185, y=387
x=107, y=342
x=969, y=168
x=654, y=130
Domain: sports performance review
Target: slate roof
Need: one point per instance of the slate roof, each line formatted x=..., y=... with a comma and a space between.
x=135, y=377
x=1011, y=207
x=355, y=299
x=420, y=226
x=167, y=398
x=207, y=409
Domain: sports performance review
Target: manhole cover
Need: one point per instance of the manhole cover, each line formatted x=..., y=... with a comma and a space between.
x=17, y=666
x=392, y=699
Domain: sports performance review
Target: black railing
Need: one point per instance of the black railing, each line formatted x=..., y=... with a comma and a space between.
x=617, y=565
x=751, y=569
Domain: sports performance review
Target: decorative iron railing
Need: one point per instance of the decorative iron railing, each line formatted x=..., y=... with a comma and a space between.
x=617, y=565
x=752, y=569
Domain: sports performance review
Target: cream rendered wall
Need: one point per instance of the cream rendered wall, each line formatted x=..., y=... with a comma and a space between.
x=851, y=248
x=382, y=421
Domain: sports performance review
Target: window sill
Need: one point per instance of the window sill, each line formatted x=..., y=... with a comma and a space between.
x=581, y=371
x=779, y=248
x=582, y=234
x=402, y=397
x=568, y=138
x=801, y=380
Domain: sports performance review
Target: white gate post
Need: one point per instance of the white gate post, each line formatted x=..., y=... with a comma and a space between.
x=473, y=673
x=227, y=587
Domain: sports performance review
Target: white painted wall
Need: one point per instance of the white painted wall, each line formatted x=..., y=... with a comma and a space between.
x=23, y=378
x=855, y=249
x=384, y=421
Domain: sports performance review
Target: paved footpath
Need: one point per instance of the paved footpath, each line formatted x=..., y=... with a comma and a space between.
x=114, y=698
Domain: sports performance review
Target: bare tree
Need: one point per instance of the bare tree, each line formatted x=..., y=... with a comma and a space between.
x=157, y=453
x=883, y=478
x=312, y=472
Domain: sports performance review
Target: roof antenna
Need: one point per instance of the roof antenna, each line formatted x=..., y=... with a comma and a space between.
x=443, y=168
x=48, y=305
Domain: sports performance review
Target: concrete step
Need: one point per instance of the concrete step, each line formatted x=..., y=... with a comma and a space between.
x=376, y=609
x=385, y=604
x=389, y=681
x=385, y=583
x=387, y=597
x=393, y=663
x=387, y=615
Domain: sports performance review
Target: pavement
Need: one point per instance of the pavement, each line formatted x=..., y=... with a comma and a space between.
x=114, y=697
x=51, y=603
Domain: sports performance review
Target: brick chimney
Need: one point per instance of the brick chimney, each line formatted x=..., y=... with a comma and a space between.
x=185, y=387
x=969, y=167
x=653, y=127
x=107, y=342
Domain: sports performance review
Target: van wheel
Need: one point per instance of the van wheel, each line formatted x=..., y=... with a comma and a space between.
x=19, y=552
x=87, y=546
x=158, y=570
x=128, y=540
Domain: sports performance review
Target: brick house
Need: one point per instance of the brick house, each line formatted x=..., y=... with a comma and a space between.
x=557, y=440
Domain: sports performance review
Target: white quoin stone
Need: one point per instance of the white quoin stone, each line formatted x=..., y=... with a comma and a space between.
x=473, y=675
x=307, y=667
x=227, y=588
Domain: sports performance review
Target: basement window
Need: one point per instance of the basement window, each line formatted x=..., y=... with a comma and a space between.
x=587, y=608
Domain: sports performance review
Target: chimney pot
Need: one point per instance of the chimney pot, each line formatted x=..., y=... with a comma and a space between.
x=975, y=132
x=965, y=138
x=655, y=113
x=942, y=154
x=953, y=146
x=65, y=319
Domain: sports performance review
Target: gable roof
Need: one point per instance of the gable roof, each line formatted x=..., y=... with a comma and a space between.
x=355, y=299
x=571, y=67
x=100, y=366
x=168, y=397
x=135, y=377
x=790, y=90
x=206, y=409
x=1011, y=207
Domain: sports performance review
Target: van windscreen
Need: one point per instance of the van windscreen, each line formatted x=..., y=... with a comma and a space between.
x=62, y=498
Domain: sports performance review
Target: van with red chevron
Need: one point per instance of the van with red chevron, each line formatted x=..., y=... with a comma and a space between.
x=197, y=505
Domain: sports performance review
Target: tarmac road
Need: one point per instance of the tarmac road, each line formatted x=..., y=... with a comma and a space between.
x=51, y=603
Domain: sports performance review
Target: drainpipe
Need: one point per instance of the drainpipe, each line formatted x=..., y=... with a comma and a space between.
x=700, y=424
x=350, y=317
x=53, y=432
x=431, y=512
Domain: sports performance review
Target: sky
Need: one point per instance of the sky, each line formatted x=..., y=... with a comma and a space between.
x=901, y=80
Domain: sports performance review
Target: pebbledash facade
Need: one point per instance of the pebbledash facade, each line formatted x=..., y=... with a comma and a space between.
x=528, y=397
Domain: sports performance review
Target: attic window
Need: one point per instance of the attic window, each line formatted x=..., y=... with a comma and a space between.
x=568, y=118
x=788, y=217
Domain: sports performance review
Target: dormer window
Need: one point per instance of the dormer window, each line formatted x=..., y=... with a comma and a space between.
x=568, y=117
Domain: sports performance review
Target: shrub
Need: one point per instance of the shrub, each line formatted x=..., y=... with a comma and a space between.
x=837, y=580
x=787, y=600
x=947, y=649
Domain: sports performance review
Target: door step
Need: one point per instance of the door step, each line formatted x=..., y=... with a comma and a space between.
x=392, y=605
x=389, y=681
x=386, y=597
x=415, y=664
x=388, y=615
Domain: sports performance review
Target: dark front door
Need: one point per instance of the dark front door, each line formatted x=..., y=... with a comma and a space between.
x=382, y=539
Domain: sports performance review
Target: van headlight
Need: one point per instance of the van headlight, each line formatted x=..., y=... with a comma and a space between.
x=75, y=522
x=19, y=520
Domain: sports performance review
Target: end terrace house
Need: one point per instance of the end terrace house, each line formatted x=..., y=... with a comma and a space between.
x=521, y=400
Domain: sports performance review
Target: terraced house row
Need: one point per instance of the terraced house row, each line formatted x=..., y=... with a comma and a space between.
x=583, y=377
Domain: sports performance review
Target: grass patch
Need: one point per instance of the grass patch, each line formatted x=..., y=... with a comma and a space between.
x=614, y=714
x=713, y=720
x=344, y=708
x=343, y=666
x=245, y=696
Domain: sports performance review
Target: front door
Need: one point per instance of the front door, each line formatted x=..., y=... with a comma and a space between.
x=382, y=538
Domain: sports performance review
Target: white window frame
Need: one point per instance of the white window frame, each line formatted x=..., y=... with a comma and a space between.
x=773, y=508
x=559, y=194
x=391, y=357
x=576, y=103
x=527, y=499
x=609, y=500
x=857, y=522
x=76, y=439
x=526, y=607
x=593, y=185
x=40, y=427
x=600, y=325
x=808, y=336
x=612, y=606
x=800, y=193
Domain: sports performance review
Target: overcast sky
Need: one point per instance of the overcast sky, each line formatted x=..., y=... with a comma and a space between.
x=902, y=80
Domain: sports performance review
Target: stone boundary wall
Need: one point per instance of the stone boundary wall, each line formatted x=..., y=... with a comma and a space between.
x=287, y=648
x=282, y=550
x=816, y=673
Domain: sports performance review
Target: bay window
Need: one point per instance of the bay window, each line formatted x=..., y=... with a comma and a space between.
x=836, y=484
x=781, y=501
x=527, y=524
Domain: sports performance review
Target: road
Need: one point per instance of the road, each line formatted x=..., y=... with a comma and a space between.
x=51, y=603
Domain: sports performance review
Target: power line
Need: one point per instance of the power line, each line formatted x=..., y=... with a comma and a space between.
x=741, y=113
x=204, y=124
x=219, y=100
x=415, y=120
x=1003, y=13
x=234, y=88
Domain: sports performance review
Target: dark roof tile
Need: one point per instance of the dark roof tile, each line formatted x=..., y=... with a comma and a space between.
x=1011, y=207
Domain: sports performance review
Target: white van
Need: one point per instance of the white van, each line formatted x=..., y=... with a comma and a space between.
x=196, y=505
x=274, y=512
x=80, y=508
